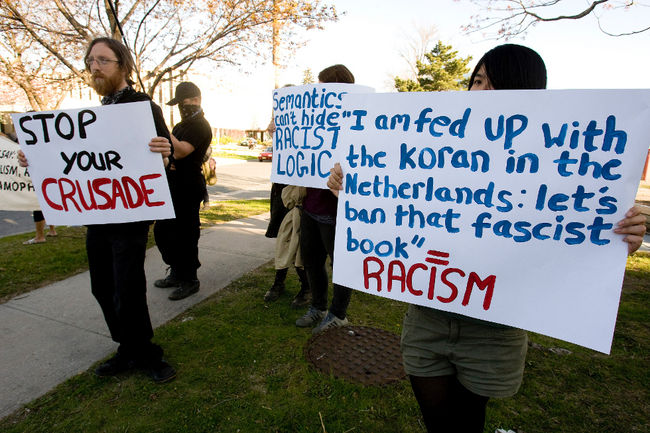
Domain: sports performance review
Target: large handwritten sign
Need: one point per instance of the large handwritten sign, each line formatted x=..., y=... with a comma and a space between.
x=93, y=165
x=307, y=131
x=16, y=189
x=496, y=205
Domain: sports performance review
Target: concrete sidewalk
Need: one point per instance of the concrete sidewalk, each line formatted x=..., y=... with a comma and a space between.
x=58, y=331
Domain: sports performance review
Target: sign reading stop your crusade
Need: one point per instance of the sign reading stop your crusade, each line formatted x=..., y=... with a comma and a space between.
x=94, y=166
x=498, y=205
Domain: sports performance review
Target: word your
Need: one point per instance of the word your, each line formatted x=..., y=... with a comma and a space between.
x=64, y=126
x=87, y=160
x=450, y=278
x=99, y=194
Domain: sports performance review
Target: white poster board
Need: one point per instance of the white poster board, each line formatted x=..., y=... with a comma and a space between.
x=94, y=166
x=16, y=188
x=496, y=205
x=307, y=131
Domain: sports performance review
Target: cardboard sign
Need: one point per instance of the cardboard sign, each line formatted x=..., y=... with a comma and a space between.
x=94, y=166
x=16, y=189
x=497, y=205
x=307, y=132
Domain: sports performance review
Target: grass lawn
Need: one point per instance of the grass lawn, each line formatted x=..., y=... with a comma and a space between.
x=241, y=369
x=27, y=267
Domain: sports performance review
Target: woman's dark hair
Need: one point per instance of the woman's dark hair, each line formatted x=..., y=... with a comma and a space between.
x=510, y=67
x=127, y=65
x=336, y=74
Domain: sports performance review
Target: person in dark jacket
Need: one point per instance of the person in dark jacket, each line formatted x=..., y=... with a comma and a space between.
x=178, y=238
x=116, y=252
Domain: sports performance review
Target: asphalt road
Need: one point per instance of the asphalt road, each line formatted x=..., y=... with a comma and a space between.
x=245, y=180
x=14, y=222
x=236, y=180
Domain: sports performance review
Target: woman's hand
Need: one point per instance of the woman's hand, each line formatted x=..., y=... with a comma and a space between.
x=335, y=181
x=633, y=226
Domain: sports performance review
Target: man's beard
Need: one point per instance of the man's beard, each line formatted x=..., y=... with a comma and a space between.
x=106, y=84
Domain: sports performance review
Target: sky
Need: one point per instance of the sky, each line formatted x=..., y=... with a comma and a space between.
x=370, y=34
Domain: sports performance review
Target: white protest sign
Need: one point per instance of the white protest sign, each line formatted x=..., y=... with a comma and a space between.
x=16, y=189
x=498, y=205
x=94, y=166
x=307, y=130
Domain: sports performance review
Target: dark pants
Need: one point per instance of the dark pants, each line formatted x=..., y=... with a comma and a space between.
x=178, y=239
x=38, y=216
x=116, y=260
x=316, y=243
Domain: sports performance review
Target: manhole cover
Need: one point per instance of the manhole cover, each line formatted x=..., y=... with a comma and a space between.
x=359, y=354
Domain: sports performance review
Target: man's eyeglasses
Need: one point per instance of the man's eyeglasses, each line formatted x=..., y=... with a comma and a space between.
x=101, y=61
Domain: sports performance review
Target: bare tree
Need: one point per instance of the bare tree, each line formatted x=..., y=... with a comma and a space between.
x=167, y=37
x=419, y=40
x=504, y=19
x=24, y=65
x=284, y=40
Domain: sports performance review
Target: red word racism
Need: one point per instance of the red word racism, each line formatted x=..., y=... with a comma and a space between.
x=442, y=286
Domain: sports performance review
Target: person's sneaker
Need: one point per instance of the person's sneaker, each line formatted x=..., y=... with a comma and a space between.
x=302, y=299
x=161, y=371
x=167, y=282
x=311, y=317
x=186, y=289
x=330, y=321
x=115, y=365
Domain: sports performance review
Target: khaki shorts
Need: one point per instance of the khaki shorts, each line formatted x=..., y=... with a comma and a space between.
x=488, y=360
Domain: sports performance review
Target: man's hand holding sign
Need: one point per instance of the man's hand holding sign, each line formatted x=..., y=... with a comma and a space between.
x=87, y=171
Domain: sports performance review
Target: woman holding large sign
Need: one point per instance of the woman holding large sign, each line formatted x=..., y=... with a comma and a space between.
x=456, y=363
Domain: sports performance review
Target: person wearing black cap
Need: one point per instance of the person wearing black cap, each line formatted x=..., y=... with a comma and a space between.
x=178, y=238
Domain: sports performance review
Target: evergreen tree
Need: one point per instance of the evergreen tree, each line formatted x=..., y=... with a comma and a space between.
x=441, y=70
x=308, y=77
